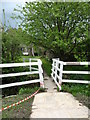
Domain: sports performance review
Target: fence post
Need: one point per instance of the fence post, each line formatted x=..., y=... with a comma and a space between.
x=52, y=74
x=40, y=73
x=56, y=70
x=30, y=63
x=60, y=74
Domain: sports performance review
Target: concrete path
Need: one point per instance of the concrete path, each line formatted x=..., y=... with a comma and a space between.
x=49, y=84
x=53, y=104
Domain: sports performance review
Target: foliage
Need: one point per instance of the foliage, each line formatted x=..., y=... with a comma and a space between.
x=61, y=28
x=27, y=90
x=46, y=66
x=80, y=91
x=12, y=40
x=76, y=88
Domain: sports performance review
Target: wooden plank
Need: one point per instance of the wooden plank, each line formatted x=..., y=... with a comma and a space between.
x=17, y=64
x=18, y=74
x=76, y=72
x=19, y=83
x=75, y=81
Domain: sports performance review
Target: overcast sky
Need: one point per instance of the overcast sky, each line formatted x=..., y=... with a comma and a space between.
x=9, y=6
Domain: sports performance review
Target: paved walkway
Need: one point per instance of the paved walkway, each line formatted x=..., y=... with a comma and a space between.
x=49, y=84
x=53, y=104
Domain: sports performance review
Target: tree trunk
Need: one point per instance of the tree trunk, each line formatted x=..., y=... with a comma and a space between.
x=31, y=50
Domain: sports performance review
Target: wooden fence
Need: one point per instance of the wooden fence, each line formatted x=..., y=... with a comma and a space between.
x=57, y=72
x=33, y=70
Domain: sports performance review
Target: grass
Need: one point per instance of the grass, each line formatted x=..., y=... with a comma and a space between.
x=22, y=110
x=76, y=88
x=80, y=91
x=27, y=90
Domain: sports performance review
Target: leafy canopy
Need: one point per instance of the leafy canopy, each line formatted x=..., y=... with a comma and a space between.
x=61, y=28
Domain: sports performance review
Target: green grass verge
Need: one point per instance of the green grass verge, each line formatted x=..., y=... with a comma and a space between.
x=22, y=110
x=76, y=89
x=80, y=91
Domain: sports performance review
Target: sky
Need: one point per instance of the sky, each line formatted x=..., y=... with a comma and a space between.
x=8, y=6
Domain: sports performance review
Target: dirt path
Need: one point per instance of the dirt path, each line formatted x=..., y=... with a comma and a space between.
x=53, y=104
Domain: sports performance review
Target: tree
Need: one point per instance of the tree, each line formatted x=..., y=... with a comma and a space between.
x=61, y=28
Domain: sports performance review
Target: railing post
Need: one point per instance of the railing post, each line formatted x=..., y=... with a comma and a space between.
x=40, y=73
x=52, y=74
x=60, y=73
x=56, y=70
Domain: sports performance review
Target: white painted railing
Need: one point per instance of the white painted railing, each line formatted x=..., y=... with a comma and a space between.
x=31, y=64
x=57, y=72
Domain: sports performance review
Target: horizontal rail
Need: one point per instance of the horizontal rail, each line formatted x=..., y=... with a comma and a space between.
x=18, y=74
x=76, y=63
x=72, y=72
x=17, y=64
x=76, y=72
x=75, y=81
x=72, y=63
x=72, y=81
x=19, y=83
x=34, y=68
